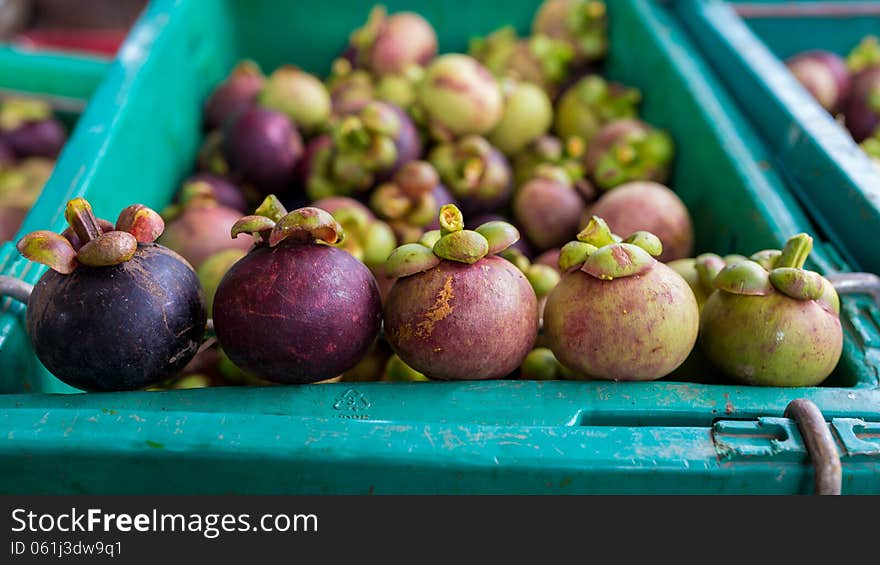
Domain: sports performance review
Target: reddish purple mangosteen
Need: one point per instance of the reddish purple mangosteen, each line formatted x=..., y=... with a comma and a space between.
x=618, y=313
x=548, y=208
x=648, y=206
x=235, y=94
x=296, y=309
x=824, y=75
x=263, y=147
x=115, y=311
x=457, y=311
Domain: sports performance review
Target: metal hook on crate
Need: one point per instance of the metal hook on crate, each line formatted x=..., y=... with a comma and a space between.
x=15, y=289
x=820, y=445
x=857, y=283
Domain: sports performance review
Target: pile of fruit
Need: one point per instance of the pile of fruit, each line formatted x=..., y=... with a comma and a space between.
x=31, y=138
x=849, y=88
x=421, y=216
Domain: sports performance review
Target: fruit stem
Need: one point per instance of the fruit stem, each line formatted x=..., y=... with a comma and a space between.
x=795, y=252
x=82, y=220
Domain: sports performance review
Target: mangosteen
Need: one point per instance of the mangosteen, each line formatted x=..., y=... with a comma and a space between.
x=457, y=311
x=627, y=150
x=771, y=322
x=302, y=97
x=591, y=103
x=540, y=60
x=648, y=206
x=389, y=44
x=115, y=311
x=212, y=270
x=550, y=150
x=20, y=186
x=29, y=128
x=350, y=89
x=367, y=238
x=618, y=313
x=526, y=116
x=548, y=208
x=296, y=309
x=397, y=371
x=199, y=226
x=477, y=173
x=224, y=191
x=408, y=199
x=362, y=150
x=234, y=95
x=862, y=108
x=824, y=74
x=581, y=23
x=541, y=365
x=263, y=147
x=459, y=96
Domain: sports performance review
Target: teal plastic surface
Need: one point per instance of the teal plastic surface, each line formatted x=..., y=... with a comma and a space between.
x=141, y=133
x=837, y=183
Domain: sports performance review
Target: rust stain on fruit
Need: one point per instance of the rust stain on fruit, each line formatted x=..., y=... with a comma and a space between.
x=438, y=311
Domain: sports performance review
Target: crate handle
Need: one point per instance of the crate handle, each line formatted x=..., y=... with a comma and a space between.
x=857, y=283
x=819, y=443
x=15, y=288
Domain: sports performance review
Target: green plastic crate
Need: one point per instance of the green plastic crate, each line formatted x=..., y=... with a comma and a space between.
x=66, y=81
x=747, y=43
x=475, y=437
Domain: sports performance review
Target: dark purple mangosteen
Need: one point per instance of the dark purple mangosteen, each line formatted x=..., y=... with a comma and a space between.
x=263, y=147
x=115, y=311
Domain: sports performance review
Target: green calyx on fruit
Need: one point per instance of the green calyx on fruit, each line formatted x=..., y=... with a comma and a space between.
x=538, y=59
x=603, y=255
x=362, y=145
x=865, y=54
x=550, y=151
x=745, y=278
x=409, y=196
x=637, y=155
x=591, y=103
x=783, y=271
x=91, y=241
x=468, y=167
x=708, y=265
x=271, y=224
x=452, y=243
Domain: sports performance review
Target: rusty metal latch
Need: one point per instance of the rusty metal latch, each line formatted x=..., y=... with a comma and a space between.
x=803, y=434
x=820, y=445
